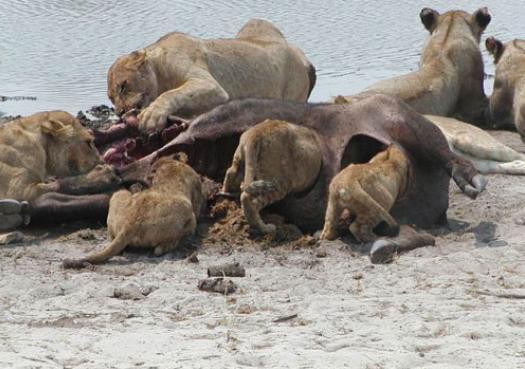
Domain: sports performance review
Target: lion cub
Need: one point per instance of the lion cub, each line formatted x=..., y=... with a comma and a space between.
x=368, y=191
x=273, y=159
x=158, y=217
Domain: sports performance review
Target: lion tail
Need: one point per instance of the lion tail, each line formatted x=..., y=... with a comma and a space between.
x=116, y=246
x=251, y=155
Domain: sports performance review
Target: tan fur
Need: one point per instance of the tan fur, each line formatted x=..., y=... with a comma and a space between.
x=507, y=102
x=40, y=146
x=449, y=81
x=185, y=76
x=486, y=153
x=273, y=159
x=158, y=217
x=368, y=192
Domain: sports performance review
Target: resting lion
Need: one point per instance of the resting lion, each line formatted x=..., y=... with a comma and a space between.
x=449, y=81
x=158, y=217
x=36, y=149
x=488, y=155
x=368, y=191
x=507, y=102
x=273, y=159
x=184, y=76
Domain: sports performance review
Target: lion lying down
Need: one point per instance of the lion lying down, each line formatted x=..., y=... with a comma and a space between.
x=273, y=159
x=158, y=217
x=488, y=155
x=36, y=149
x=185, y=76
x=368, y=191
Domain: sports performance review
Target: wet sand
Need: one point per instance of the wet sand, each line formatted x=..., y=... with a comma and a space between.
x=456, y=305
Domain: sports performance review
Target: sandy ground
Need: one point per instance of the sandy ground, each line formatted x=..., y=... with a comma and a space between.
x=456, y=305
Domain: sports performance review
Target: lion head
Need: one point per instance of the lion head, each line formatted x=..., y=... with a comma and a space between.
x=455, y=21
x=70, y=148
x=132, y=83
x=507, y=102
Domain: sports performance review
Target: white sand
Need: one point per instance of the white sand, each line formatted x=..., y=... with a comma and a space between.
x=448, y=306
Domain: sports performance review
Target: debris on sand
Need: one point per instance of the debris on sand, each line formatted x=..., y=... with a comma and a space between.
x=193, y=258
x=132, y=292
x=12, y=237
x=218, y=285
x=227, y=270
x=285, y=318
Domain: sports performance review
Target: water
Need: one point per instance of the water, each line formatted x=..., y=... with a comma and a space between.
x=60, y=50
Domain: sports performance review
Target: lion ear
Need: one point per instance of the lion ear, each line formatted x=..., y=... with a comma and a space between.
x=137, y=58
x=495, y=47
x=56, y=129
x=429, y=18
x=482, y=17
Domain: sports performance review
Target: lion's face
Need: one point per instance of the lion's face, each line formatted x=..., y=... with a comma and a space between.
x=70, y=149
x=131, y=83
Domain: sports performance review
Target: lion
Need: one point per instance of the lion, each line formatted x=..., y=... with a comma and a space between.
x=36, y=149
x=158, y=217
x=368, y=191
x=40, y=146
x=507, y=102
x=449, y=81
x=488, y=155
x=274, y=159
x=184, y=76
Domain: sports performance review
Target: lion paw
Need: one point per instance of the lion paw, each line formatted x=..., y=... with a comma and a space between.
x=153, y=118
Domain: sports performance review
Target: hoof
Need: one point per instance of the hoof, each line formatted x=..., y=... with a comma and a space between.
x=382, y=252
x=11, y=207
x=479, y=183
x=13, y=214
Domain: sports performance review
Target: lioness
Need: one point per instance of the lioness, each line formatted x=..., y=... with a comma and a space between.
x=486, y=153
x=273, y=159
x=368, y=191
x=449, y=81
x=185, y=76
x=507, y=102
x=158, y=217
x=40, y=146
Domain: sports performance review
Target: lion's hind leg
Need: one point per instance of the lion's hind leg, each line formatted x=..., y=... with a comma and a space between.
x=187, y=229
x=369, y=214
x=255, y=197
x=333, y=212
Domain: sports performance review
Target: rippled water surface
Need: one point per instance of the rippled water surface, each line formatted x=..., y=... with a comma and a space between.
x=59, y=50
